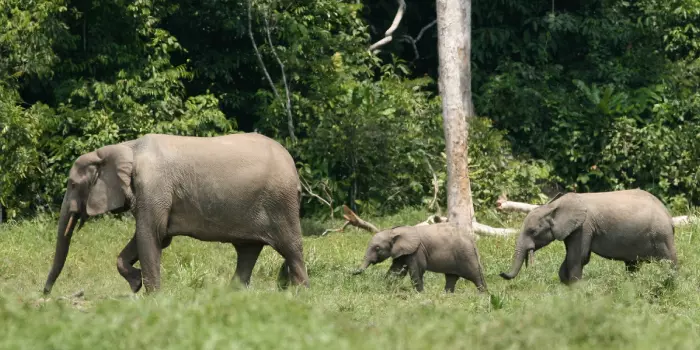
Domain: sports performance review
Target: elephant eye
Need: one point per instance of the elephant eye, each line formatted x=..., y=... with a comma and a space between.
x=377, y=248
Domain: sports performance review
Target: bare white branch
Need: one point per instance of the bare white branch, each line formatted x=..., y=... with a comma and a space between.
x=336, y=229
x=682, y=220
x=257, y=52
x=290, y=125
x=328, y=202
x=397, y=18
x=515, y=206
x=395, y=24
x=436, y=186
x=288, y=107
x=485, y=230
x=380, y=43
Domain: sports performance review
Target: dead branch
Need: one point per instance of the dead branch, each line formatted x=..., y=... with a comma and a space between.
x=355, y=220
x=683, y=220
x=336, y=229
x=395, y=24
x=328, y=202
x=485, y=230
x=352, y=219
x=480, y=229
x=415, y=40
x=288, y=107
x=433, y=219
x=505, y=205
x=436, y=187
x=264, y=69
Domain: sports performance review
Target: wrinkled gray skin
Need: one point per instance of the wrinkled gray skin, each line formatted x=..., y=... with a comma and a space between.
x=241, y=189
x=631, y=226
x=438, y=248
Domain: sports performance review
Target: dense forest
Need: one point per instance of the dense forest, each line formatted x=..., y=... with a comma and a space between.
x=580, y=95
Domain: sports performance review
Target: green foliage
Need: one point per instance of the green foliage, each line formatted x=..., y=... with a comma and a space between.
x=373, y=138
x=99, y=92
x=199, y=308
x=592, y=96
x=20, y=159
x=598, y=99
x=494, y=170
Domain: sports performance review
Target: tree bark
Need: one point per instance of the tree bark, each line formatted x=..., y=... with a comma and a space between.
x=454, y=51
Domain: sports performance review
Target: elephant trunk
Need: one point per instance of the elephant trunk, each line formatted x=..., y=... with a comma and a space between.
x=66, y=223
x=370, y=258
x=364, y=266
x=521, y=253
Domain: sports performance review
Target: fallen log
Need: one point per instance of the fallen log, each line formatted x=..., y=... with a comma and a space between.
x=480, y=229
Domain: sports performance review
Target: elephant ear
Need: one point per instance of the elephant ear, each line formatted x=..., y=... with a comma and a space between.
x=112, y=185
x=567, y=215
x=404, y=241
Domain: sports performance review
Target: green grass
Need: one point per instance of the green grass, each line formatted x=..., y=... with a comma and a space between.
x=198, y=308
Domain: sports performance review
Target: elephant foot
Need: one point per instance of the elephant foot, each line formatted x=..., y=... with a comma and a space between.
x=506, y=276
x=135, y=281
x=135, y=286
x=283, y=276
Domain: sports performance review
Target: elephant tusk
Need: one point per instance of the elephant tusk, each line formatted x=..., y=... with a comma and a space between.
x=70, y=222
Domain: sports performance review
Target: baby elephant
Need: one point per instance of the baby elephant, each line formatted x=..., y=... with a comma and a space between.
x=438, y=248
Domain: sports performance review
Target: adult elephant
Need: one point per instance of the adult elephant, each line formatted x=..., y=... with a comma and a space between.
x=631, y=226
x=242, y=188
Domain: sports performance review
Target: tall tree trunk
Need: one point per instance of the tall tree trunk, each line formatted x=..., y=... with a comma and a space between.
x=454, y=51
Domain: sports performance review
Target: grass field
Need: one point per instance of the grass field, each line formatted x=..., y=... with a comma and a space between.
x=198, y=307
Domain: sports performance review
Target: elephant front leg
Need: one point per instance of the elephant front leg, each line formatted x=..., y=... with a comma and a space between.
x=397, y=269
x=149, y=252
x=126, y=260
x=125, y=265
x=574, y=260
x=416, y=271
x=563, y=273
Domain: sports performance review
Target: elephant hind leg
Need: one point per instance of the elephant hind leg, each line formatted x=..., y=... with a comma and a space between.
x=631, y=266
x=288, y=243
x=450, y=282
x=247, y=257
x=475, y=276
x=670, y=251
x=293, y=268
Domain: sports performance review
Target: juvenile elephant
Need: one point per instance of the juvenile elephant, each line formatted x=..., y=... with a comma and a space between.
x=631, y=226
x=241, y=189
x=438, y=248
